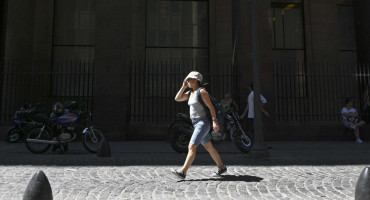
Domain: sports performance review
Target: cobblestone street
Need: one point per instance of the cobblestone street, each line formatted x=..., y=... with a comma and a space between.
x=141, y=170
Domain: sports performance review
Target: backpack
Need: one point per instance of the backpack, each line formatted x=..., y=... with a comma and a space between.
x=220, y=115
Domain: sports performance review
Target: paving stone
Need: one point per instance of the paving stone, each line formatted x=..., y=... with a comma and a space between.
x=133, y=173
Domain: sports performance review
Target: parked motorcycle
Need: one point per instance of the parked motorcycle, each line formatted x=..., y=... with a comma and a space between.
x=61, y=129
x=23, y=122
x=181, y=129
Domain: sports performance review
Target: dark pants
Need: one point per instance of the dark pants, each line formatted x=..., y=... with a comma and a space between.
x=250, y=125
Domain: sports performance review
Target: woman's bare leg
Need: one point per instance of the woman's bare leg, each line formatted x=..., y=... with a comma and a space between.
x=357, y=129
x=359, y=124
x=357, y=133
x=214, y=154
x=192, y=150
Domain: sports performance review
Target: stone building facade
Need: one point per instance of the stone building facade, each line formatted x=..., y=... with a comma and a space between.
x=118, y=34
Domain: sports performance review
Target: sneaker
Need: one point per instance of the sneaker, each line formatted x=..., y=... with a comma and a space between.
x=220, y=171
x=179, y=174
x=359, y=141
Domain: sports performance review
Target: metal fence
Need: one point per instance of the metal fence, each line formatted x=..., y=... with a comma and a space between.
x=45, y=83
x=317, y=92
x=155, y=84
x=302, y=93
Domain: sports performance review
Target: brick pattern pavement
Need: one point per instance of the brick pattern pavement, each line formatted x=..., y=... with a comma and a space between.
x=155, y=182
x=130, y=174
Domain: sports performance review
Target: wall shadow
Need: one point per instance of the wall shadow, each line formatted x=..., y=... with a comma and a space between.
x=160, y=154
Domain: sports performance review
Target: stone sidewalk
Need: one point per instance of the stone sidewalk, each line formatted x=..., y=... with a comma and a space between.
x=140, y=170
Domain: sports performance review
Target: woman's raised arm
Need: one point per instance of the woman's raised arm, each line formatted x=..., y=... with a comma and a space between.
x=181, y=96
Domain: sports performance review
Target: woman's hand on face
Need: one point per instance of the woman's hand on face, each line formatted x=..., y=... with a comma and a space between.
x=185, y=83
x=216, y=127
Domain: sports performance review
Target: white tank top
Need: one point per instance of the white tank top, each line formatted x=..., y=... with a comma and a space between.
x=196, y=108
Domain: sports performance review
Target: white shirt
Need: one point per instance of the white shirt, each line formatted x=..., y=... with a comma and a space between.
x=350, y=111
x=251, y=104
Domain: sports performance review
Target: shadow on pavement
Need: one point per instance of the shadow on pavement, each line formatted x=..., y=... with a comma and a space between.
x=160, y=154
x=243, y=178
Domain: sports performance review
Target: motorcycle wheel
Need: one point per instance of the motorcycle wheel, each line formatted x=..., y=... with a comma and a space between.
x=38, y=147
x=91, y=141
x=14, y=135
x=180, y=141
x=244, y=144
x=63, y=148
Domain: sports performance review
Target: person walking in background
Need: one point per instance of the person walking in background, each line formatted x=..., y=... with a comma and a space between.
x=200, y=122
x=250, y=109
x=351, y=119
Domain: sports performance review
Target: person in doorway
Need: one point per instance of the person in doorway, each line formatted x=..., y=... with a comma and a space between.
x=200, y=122
x=351, y=119
x=250, y=109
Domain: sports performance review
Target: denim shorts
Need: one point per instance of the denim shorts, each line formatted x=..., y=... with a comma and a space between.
x=201, y=131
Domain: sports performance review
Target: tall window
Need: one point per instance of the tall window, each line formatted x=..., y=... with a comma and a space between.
x=176, y=42
x=177, y=30
x=74, y=29
x=289, y=48
x=288, y=26
x=73, y=47
x=346, y=32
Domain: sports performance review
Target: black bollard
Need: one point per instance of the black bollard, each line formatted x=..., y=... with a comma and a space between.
x=363, y=185
x=38, y=188
x=103, y=149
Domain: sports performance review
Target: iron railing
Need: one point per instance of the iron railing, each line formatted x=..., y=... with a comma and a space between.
x=45, y=83
x=302, y=93
x=317, y=92
x=155, y=84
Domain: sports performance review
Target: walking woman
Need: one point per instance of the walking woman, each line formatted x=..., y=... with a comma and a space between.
x=200, y=122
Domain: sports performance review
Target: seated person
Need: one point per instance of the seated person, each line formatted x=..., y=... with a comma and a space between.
x=351, y=119
x=228, y=104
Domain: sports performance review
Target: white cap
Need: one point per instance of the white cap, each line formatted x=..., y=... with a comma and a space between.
x=195, y=75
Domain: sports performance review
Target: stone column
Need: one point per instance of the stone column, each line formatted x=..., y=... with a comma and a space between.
x=362, y=24
x=20, y=29
x=18, y=46
x=244, y=54
x=111, y=71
